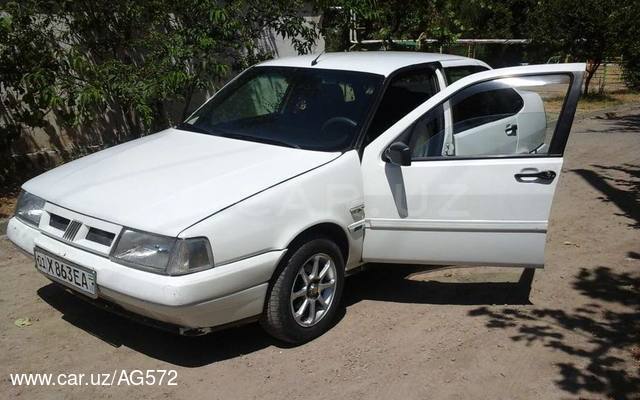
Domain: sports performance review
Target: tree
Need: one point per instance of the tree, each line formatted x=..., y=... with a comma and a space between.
x=630, y=45
x=406, y=24
x=580, y=29
x=79, y=58
x=486, y=19
x=390, y=20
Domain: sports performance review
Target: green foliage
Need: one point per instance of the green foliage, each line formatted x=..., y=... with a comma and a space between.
x=81, y=58
x=389, y=20
x=443, y=20
x=630, y=44
x=583, y=30
x=487, y=19
x=631, y=68
x=580, y=30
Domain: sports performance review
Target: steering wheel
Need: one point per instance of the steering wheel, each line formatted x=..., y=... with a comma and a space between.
x=338, y=120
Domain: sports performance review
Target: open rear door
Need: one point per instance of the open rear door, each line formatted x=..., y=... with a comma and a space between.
x=481, y=162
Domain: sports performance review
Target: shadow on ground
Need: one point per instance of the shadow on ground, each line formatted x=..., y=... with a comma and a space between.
x=178, y=350
x=393, y=283
x=380, y=283
x=619, y=185
x=627, y=123
x=609, y=324
x=606, y=334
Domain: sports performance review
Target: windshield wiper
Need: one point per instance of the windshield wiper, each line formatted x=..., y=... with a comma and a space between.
x=262, y=140
x=233, y=135
x=259, y=139
x=193, y=128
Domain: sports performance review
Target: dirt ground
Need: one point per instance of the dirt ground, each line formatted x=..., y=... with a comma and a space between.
x=569, y=331
x=7, y=204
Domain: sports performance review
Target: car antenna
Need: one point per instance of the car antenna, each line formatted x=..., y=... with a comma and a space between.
x=315, y=60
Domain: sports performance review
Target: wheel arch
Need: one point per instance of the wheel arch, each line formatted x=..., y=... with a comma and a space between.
x=330, y=230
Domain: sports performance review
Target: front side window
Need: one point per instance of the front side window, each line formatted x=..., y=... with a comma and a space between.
x=498, y=117
x=306, y=108
x=426, y=135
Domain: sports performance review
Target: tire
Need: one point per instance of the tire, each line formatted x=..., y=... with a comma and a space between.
x=282, y=317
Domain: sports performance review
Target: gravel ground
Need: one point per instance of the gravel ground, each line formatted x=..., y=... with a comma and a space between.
x=569, y=331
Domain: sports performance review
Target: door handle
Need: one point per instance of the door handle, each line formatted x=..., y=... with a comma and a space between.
x=511, y=129
x=536, y=177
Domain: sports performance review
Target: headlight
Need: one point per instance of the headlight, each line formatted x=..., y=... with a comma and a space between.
x=29, y=208
x=144, y=249
x=162, y=254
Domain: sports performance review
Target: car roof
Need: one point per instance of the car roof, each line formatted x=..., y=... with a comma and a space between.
x=376, y=62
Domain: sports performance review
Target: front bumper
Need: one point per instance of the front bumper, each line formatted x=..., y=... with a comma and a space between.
x=218, y=296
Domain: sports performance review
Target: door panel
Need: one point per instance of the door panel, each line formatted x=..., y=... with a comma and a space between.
x=460, y=212
x=488, y=205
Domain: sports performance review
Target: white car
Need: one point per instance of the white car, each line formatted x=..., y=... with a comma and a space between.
x=295, y=174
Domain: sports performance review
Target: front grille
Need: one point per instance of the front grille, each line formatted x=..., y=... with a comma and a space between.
x=101, y=237
x=72, y=230
x=58, y=222
x=79, y=230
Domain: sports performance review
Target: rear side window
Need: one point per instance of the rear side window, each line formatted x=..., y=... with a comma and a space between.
x=484, y=103
x=405, y=92
x=454, y=73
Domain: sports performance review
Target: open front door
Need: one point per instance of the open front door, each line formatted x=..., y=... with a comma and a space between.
x=469, y=176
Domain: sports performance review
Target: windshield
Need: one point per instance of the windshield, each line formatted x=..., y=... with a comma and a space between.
x=315, y=109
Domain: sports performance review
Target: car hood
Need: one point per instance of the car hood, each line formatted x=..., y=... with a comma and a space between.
x=168, y=181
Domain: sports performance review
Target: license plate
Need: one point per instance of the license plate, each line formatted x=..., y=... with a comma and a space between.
x=69, y=274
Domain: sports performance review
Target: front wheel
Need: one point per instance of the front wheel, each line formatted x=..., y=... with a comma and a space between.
x=305, y=295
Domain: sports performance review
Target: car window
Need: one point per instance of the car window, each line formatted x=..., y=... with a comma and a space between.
x=499, y=117
x=308, y=108
x=484, y=103
x=261, y=95
x=425, y=136
x=454, y=73
x=404, y=93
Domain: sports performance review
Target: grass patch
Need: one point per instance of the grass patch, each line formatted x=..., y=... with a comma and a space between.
x=594, y=101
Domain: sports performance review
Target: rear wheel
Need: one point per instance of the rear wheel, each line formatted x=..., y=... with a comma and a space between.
x=305, y=294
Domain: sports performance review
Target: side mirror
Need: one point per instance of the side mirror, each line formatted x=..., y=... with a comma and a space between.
x=398, y=153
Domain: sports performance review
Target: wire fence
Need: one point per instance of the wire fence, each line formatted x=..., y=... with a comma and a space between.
x=608, y=77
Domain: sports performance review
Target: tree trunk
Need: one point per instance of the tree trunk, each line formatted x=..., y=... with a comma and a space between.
x=161, y=118
x=592, y=67
x=188, y=98
x=187, y=103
